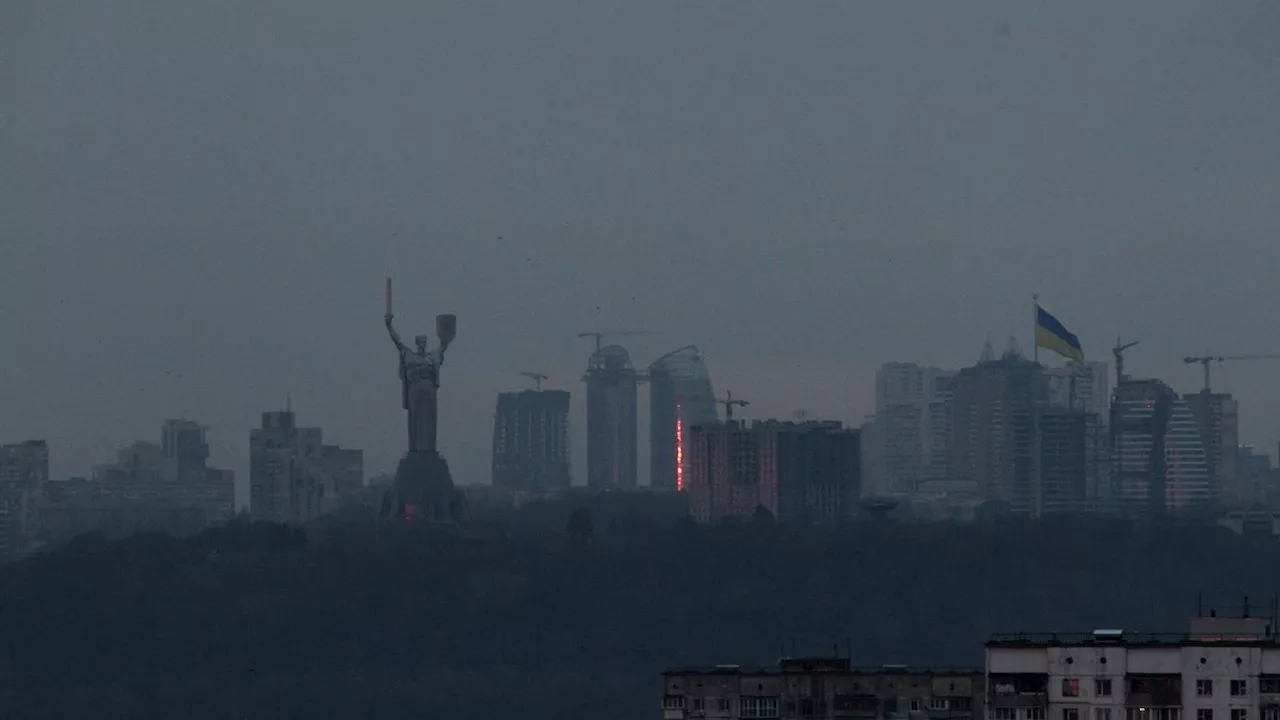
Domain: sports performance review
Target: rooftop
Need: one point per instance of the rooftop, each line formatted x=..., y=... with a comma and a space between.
x=1131, y=639
x=836, y=666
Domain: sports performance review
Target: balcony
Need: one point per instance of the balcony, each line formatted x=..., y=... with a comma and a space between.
x=856, y=706
x=1018, y=690
x=1154, y=691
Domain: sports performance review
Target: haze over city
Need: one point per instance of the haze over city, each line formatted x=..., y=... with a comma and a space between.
x=200, y=203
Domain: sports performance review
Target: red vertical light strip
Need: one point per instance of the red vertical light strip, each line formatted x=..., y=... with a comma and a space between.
x=679, y=451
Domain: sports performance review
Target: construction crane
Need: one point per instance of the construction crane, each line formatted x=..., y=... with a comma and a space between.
x=1118, y=351
x=537, y=379
x=728, y=402
x=1206, y=359
x=611, y=333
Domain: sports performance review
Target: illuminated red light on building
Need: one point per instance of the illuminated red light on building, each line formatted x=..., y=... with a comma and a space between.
x=679, y=451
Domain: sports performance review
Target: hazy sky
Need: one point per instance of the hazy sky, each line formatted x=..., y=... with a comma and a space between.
x=199, y=201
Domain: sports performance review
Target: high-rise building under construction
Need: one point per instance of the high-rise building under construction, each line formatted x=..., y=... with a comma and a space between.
x=680, y=397
x=611, y=419
x=531, y=439
x=1158, y=455
x=800, y=472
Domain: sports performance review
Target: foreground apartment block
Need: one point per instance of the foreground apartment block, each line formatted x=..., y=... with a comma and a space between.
x=1224, y=668
x=817, y=688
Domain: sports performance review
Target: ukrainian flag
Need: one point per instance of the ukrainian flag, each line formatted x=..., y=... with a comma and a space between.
x=1051, y=335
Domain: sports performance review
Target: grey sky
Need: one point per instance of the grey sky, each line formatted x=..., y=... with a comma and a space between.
x=199, y=201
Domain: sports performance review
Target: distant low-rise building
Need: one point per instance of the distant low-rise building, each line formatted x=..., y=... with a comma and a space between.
x=24, y=470
x=293, y=476
x=823, y=688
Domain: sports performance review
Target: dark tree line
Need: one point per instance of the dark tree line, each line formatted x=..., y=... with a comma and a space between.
x=519, y=618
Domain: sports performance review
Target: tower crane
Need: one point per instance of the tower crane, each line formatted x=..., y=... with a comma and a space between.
x=1118, y=351
x=728, y=402
x=600, y=335
x=537, y=379
x=1207, y=358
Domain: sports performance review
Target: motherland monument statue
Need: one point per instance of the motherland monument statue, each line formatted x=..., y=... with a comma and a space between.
x=423, y=490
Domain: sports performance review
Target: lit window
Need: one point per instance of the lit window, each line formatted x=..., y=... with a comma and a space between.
x=1071, y=687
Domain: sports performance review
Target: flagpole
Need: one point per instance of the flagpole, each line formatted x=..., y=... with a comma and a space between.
x=1037, y=481
x=1035, y=323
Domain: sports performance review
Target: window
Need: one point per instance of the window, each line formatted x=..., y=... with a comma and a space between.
x=1035, y=713
x=1239, y=688
x=725, y=705
x=1269, y=684
x=937, y=703
x=1102, y=687
x=1166, y=713
x=915, y=706
x=1070, y=714
x=673, y=702
x=1271, y=712
x=1239, y=714
x=1204, y=714
x=1102, y=714
x=697, y=704
x=1070, y=687
x=1204, y=687
x=759, y=707
x=1002, y=714
x=964, y=703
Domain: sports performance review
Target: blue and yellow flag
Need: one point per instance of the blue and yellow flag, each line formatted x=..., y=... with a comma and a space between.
x=1051, y=335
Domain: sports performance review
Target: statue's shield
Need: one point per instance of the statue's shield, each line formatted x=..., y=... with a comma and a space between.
x=446, y=328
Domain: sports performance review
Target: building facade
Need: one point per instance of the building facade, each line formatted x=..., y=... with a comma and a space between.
x=24, y=471
x=1222, y=669
x=1084, y=387
x=1217, y=416
x=680, y=396
x=1158, y=459
x=293, y=476
x=531, y=440
x=611, y=420
x=914, y=421
x=799, y=472
x=185, y=451
x=993, y=429
x=822, y=688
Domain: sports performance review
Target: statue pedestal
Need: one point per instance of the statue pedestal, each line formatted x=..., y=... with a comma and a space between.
x=423, y=493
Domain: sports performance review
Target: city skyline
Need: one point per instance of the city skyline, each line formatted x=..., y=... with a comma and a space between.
x=179, y=256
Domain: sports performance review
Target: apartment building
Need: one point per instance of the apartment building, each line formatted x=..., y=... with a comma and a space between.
x=820, y=688
x=913, y=419
x=1224, y=668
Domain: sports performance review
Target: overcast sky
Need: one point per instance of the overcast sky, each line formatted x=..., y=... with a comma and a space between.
x=199, y=201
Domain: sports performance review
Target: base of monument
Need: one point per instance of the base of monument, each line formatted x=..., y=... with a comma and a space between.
x=423, y=493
